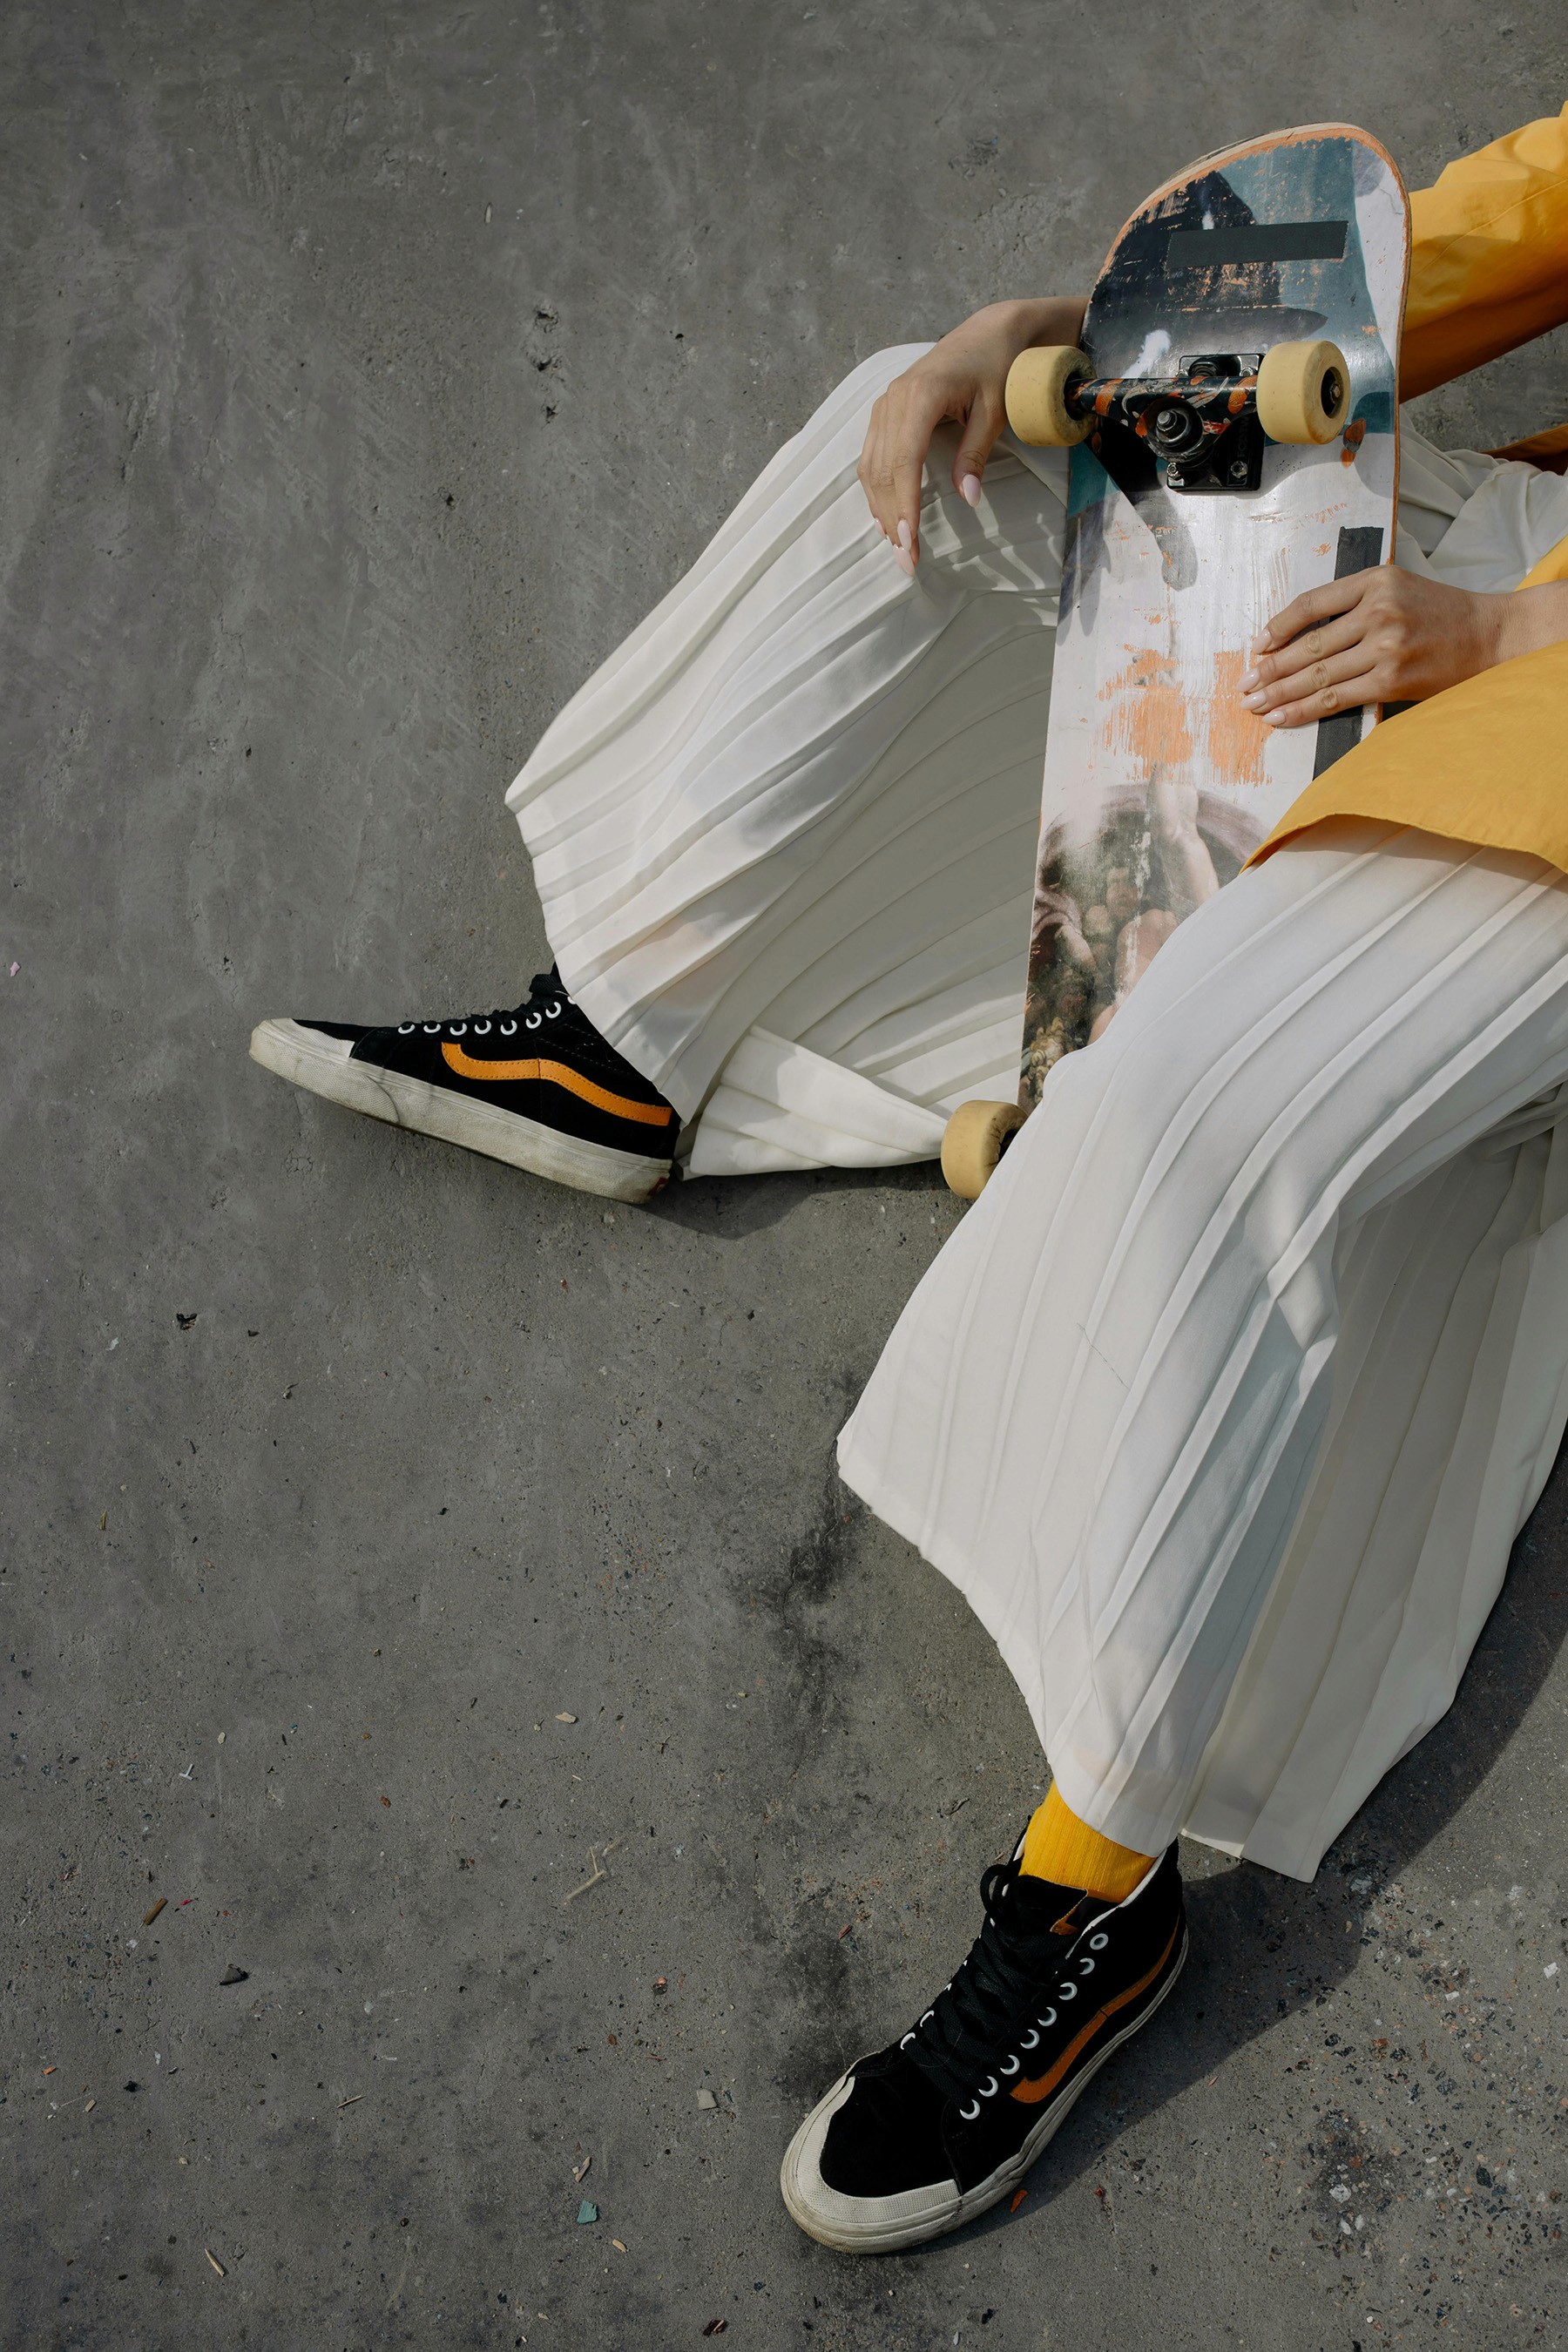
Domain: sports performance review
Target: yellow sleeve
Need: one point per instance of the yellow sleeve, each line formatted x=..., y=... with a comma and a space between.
x=1489, y=261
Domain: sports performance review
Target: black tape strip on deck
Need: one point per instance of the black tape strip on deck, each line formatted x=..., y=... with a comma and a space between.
x=1361, y=547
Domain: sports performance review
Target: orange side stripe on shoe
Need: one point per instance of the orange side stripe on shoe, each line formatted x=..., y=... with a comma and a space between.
x=1030, y=2093
x=560, y=1074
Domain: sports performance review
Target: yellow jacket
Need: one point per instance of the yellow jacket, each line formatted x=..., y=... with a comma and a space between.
x=1488, y=270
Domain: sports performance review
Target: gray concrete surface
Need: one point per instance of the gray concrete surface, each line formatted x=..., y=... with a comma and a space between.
x=386, y=1533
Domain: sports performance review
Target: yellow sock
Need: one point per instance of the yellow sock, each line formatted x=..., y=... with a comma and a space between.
x=1058, y=1846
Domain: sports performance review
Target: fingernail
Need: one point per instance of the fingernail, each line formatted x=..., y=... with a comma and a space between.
x=1253, y=701
x=969, y=485
x=1260, y=643
x=1248, y=677
x=1274, y=718
x=905, y=561
x=906, y=536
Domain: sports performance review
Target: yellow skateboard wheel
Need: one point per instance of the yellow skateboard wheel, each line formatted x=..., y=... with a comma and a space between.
x=1035, y=397
x=1303, y=393
x=972, y=1142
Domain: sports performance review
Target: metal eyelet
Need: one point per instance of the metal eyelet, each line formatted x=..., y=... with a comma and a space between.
x=924, y=2020
x=509, y=1028
x=988, y=2089
x=404, y=1028
x=1008, y=2066
x=481, y=1028
x=458, y=1028
x=533, y=1022
x=551, y=1011
x=1048, y=2020
x=1066, y=1992
x=906, y=2042
x=1031, y=2041
x=969, y=2114
x=431, y=1028
x=1086, y=1968
x=1097, y=1943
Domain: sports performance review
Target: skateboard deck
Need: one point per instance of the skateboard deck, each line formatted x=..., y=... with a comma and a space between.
x=1158, y=783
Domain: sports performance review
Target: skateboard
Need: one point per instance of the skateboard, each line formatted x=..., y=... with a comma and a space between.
x=1231, y=430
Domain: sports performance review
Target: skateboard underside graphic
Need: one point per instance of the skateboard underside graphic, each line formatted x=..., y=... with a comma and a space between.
x=1188, y=525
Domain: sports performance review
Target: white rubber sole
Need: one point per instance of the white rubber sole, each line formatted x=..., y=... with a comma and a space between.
x=322, y=1065
x=885, y=2224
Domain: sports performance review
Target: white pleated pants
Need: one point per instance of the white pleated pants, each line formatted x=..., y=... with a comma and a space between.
x=1225, y=1403
x=1227, y=1400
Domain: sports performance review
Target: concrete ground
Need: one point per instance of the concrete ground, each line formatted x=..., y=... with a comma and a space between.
x=432, y=1587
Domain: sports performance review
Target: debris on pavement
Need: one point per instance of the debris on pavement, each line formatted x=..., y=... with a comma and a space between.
x=566, y=1718
x=1018, y=2197
x=233, y=1975
x=148, y=1916
x=215, y=2261
x=597, y=1861
x=185, y=1321
x=588, y=2211
x=580, y=2171
x=716, y=2327
x=618, y=2245
x=705, y=2100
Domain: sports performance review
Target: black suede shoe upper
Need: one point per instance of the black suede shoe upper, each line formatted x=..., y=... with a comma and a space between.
x=1052, y=1975
x=542, y=1060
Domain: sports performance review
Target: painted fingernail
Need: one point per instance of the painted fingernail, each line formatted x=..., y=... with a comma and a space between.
x=1260, y=643
x=969, y=485
x=1253, y=701
x=1248, y=677
x=906, y=536
x=905, y=561
x=1274, y=718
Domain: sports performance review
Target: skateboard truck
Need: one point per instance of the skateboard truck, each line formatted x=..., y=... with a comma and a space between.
x=1207, y=427
x=1201, y=425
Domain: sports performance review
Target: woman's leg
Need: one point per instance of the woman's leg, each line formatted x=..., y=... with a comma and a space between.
x=1292, y=1187
x=1101, y=1412
x=785, y=843
x=785, y=837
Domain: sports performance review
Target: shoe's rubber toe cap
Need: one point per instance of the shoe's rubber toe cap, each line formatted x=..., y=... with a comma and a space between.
x=857, y=2225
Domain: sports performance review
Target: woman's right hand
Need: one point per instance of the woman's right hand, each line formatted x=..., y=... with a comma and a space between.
x=960, y=381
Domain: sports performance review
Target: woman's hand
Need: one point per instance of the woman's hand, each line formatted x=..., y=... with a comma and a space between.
x=960, y=380
x=1387, y=635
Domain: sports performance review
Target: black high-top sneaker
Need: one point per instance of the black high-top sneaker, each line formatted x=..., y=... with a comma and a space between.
x=919, y=2138
x=537, y=1086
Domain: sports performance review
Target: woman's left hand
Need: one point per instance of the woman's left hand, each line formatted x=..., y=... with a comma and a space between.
x=1388, y=636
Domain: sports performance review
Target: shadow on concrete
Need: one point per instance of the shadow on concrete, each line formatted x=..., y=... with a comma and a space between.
x=728, y=1209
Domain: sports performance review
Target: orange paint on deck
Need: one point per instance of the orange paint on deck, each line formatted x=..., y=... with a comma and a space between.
x=1146, y=713
x=1237, y=736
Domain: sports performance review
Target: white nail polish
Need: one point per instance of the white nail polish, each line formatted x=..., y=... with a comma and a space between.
x=906, y=536
x=905, y=561
x=969, y=485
